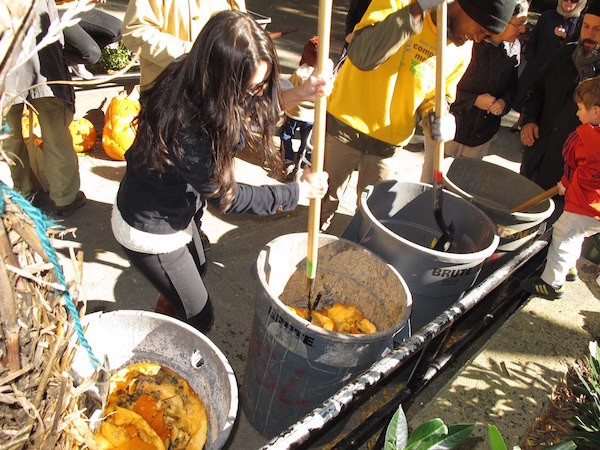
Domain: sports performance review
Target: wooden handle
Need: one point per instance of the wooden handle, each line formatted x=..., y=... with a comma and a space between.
x=440, y=86
x=537, y=199
x=318, y=135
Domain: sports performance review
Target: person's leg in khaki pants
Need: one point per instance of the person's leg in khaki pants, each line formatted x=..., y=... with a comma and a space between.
x=372, y=169
x=340, y=160
x=16, y=151
x=61, y=166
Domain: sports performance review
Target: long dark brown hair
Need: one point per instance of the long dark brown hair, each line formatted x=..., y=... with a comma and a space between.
x=210, y=87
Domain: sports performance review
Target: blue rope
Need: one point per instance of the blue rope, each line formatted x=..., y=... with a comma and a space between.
x=42, y=222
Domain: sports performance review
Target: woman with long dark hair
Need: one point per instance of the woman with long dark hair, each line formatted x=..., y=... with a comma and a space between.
x=202, y=108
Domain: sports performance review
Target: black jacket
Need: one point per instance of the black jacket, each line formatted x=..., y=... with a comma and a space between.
x=356, y=10
x=543, y=42
x=165, y=204
x=541, y=46
x=550, y=104
x=493, y=70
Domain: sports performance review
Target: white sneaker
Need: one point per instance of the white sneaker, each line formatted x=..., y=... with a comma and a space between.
x=81, y=71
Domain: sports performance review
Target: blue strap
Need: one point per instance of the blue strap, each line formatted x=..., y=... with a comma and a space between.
x=42, y=222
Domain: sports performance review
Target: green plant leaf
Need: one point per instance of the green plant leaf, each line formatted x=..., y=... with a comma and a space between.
x=591, y=439
x=457, y=434
x=587, y=420
x=433, y=427
x=114, y=58
x=496, y=441
x=569, y=445
x=396, y=435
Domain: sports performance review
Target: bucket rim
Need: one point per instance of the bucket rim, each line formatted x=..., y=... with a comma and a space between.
x=463, y=258
x=333, y=335
x=483, y=203
x=231, y=414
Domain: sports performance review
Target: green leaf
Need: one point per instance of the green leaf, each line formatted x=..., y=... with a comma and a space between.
x=592, y=438
x=112, y=58
x=496, y=441
x=457, y=434
x=433, y=427
x=396, y=435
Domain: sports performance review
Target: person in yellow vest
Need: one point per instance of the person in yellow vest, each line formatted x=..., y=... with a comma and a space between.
x=389, y=79
x=167, y=29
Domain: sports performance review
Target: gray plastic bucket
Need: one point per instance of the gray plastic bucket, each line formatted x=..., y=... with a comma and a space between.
x=395, y=220
x=129, y=337
x=292, y=365
x=496, y=190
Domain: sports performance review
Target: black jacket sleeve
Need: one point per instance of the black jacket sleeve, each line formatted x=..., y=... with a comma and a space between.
x=534, y=104
x=264, y=200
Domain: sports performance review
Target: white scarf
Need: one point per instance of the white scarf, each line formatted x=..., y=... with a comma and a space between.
x=575, y=13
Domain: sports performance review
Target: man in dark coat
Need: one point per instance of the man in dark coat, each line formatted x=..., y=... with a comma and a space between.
x=550, y=111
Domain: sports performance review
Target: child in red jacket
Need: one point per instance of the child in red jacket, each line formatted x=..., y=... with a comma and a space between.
x=580, y=185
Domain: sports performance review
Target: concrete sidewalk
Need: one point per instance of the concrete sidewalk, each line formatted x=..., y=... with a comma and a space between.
x=557, y=331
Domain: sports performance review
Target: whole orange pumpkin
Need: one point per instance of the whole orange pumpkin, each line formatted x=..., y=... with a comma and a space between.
x=119, y=131
x=82, y=131
x=84, y=134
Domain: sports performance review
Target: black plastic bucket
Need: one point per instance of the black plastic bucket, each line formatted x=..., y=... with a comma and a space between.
x=292, y=365
x=395, y=220
x=496, y=190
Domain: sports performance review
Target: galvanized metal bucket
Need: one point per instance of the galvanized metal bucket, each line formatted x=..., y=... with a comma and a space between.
x=496, y=190
x=128, y=337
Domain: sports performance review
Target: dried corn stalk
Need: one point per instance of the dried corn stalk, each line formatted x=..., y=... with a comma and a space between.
x=38, y=402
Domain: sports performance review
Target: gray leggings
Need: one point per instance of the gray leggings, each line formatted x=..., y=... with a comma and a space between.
x=177, y=275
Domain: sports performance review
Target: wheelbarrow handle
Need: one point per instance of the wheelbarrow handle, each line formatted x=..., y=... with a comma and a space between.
x=537, y=199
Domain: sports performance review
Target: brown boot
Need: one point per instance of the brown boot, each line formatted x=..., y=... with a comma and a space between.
x=163, y=306
x=67, y=210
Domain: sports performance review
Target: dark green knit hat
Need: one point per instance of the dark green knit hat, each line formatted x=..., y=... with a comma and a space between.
x=493, y=15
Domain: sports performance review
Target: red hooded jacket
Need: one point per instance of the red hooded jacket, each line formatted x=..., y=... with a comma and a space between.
x=581, y=178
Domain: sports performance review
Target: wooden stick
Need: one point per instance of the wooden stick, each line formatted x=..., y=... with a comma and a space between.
x=440, y=88
x=445, y=240
x=537, y=199
x=27, y=231
x=314, y=209
x=6, y=247
x=8, y=315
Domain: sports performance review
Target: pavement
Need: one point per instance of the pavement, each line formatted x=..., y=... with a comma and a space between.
x=507, y=383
